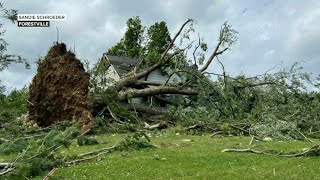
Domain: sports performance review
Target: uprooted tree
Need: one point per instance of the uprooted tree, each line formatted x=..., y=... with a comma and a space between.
x=59, y=91
x=60, y=88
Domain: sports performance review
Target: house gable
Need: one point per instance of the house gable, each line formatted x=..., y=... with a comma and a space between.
x=116, y=67
x=107, y=74
x=122, y=65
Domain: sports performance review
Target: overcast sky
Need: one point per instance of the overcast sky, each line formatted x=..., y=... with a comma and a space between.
x=271, y=32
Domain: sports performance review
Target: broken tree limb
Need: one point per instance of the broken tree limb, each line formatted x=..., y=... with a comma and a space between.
x=114, y=116
x=7, y=171
x=195, y=50
x=103, y=149
x=309, y=152
x=216, y=133
x=50, y=174
x=100, y=152
x=239, y=128
x=96, y=153
x=86, y=159
x=5, y=165
x=305, y=137
x=161, y=125
x=194, y=127
x=243, y=150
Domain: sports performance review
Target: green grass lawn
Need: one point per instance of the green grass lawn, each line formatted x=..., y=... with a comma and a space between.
x=200, y=158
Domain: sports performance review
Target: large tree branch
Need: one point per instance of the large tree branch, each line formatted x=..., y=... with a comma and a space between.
x=224, y=73
x=195, y=50
x=222, y=40
x=213, y=55
x=123, y=95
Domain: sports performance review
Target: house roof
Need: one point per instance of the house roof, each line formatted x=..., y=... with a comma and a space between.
x=123, y=64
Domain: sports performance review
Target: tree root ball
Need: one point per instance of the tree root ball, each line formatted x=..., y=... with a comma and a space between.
x=59, y=91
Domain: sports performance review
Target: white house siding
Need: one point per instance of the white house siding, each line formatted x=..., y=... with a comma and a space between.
x=108, y=78
x=112, y=75
x=174, y=78
x=157, y=76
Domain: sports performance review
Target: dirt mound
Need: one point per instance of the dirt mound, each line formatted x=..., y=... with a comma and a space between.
x=59, y=91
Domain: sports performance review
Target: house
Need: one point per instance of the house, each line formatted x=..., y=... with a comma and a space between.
x=114, y=68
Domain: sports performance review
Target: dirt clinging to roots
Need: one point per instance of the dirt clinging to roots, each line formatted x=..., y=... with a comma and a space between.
x=59, y=91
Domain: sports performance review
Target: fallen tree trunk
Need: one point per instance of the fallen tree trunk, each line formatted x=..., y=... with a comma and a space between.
x=123, y=95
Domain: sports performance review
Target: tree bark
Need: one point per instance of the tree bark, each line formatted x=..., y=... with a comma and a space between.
x=123, y=95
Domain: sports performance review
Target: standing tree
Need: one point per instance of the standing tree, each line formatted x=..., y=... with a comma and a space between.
x=130, y=44
x=7, y=59
x=158, y=39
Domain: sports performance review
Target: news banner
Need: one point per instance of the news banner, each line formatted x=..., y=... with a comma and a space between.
x=39, y=20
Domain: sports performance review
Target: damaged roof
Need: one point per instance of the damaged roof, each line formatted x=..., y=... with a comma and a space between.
x=123, y=64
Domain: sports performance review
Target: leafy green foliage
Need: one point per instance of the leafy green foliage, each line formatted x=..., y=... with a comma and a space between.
x=158, y=40
x=12, y=147
x=159, y=37
x=275, y=105
x=130, y=44
x=147, y=46
x=41, y=152
x=137, y=140
x=13, y=110
x=227, y=35
x=276, y=130
x=83, y=140
x=7, y=59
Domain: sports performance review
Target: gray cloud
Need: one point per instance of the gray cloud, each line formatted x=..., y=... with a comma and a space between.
x=270, y=32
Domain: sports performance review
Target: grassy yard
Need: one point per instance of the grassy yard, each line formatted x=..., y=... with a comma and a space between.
x=191, y=157
x=201, y=158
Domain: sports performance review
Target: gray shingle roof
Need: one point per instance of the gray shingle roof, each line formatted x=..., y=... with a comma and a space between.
x=123, y=64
